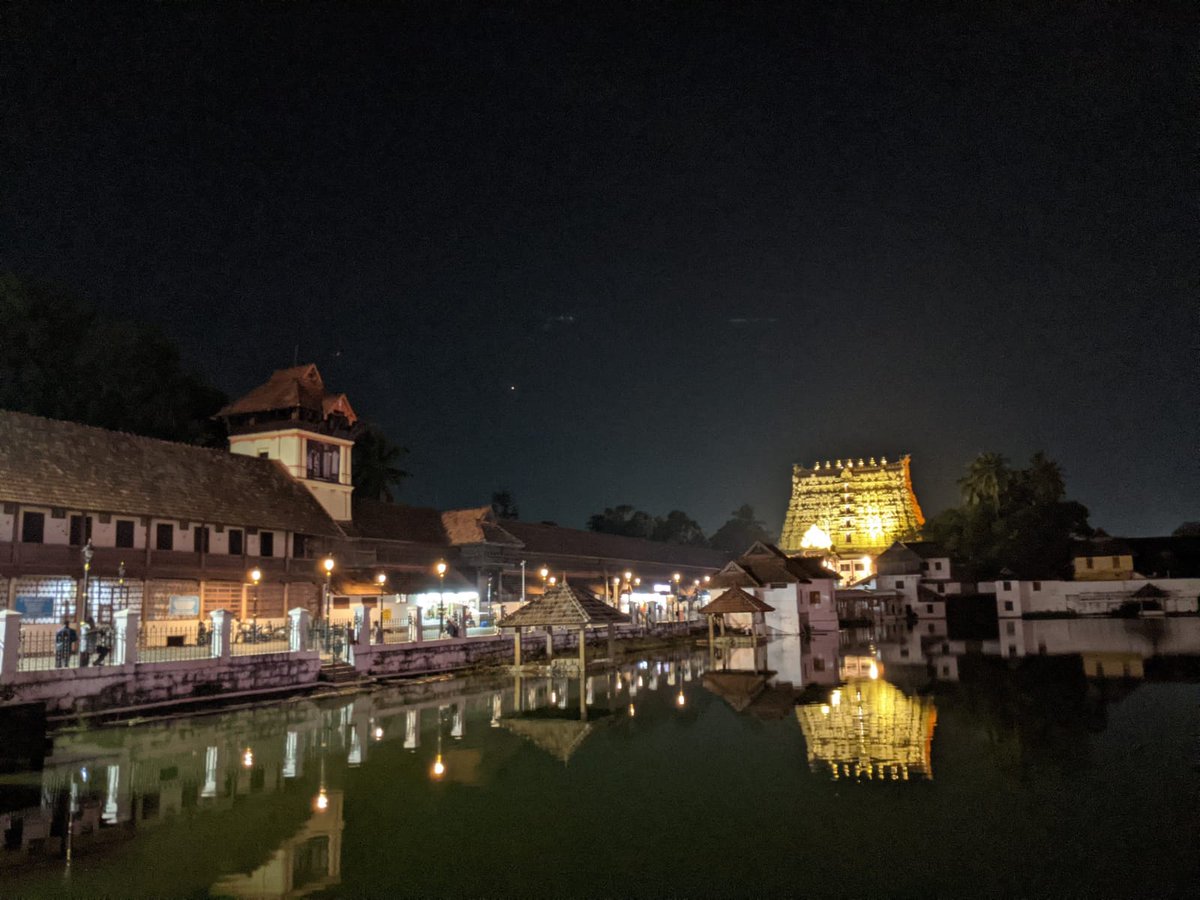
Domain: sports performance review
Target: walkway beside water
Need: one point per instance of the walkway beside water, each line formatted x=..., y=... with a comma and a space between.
x=136, y=675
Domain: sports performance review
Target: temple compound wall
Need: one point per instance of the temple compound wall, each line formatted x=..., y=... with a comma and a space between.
x=850, y=508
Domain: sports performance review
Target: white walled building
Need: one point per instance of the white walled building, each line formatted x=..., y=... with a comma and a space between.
x=1015, y=598
x=801, y=589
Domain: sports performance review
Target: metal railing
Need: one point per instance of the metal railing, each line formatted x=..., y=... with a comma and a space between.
x=256, y=638
x=41, y=649
x=171, y=641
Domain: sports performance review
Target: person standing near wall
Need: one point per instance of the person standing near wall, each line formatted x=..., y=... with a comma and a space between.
x=64, y=643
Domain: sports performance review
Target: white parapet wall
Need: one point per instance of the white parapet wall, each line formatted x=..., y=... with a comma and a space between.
x=1017, y=598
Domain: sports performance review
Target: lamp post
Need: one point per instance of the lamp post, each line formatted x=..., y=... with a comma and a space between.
x=617, y=592
x=381, y=580
x=255, y=578
x=545, y=573
x=441, y=573
x=522, y=583
x=88, y=553
x=675, y=592
x=327, y=565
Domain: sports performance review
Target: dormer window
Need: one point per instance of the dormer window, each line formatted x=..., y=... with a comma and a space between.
x=323, y=461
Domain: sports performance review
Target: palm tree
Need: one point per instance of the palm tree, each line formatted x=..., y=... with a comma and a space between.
x=377, y=466
x=1045, y=479
x=986, y=478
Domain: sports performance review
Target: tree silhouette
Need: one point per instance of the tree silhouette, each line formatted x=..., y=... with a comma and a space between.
x=740, y=532
x=504, y=505
x=377, y=466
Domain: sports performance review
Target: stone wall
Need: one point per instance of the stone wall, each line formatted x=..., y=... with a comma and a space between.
x=75, y=690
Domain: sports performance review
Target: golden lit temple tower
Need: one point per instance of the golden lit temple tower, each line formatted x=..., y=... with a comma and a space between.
x=850, y=508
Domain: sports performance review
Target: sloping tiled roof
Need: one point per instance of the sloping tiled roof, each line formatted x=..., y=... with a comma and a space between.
x=564, y=604
x=476, y=525
x=925, y=549
x=397, y=522
x=733, y=575
x=735, y=600
x=553, y=540
x=557, y=736
x=300, y=387
x=62, y=464
x=1105, y=546
x=768, y=564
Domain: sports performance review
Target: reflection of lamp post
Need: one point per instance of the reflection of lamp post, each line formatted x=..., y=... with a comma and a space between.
x=439, y=768
x=327, y=565
x=255, y=578
x=441, y=573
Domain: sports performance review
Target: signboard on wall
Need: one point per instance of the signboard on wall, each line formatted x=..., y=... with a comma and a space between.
x=183, y=605
x=32, y=606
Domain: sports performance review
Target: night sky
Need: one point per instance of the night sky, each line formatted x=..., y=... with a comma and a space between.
x=643, y=253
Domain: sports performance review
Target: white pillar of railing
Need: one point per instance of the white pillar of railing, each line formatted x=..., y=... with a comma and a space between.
x=10, y=643
x=362, y=626
x=415, y=626
x=222, y=634
x=301, y=623
x=125, y=636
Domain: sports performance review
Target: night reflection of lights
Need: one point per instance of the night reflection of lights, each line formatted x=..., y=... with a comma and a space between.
x=248, y=758
x=632, y=710
x=322, y=802
x=681, y=700
x=882, y=734
x=439, y=768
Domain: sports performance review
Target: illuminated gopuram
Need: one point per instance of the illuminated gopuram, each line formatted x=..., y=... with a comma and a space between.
x=850, y=508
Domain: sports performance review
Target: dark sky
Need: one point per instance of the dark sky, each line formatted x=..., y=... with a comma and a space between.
x=643, y=253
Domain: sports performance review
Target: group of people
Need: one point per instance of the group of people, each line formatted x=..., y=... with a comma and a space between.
x=92, y=641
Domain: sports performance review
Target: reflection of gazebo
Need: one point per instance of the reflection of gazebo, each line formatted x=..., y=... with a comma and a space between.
x=735, y=600
x=558, y=737
x=738, y=689
x=567, y=606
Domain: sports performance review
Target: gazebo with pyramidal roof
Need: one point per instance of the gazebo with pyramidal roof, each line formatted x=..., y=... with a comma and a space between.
x=735, y=600
x=567, y=606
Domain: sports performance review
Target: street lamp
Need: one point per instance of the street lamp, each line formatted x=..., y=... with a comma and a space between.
x=327, y=565
x=381, y=581
x=545, y=573
x=255, y=578
x=617, y=591
x=440, y=568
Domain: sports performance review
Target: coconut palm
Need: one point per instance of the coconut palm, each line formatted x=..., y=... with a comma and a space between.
x=986, y=478
x=377, y=466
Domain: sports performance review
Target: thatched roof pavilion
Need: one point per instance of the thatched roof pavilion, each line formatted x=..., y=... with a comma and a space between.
x=735, y=600
x=567, y=606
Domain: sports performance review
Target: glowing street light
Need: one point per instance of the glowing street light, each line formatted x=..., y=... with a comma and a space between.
x=327, y=565
x=255, y=578
x=440, y=568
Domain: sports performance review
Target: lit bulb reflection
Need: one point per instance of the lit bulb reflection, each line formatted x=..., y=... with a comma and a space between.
x=681, y=700
x=632, y=710
x=873, y=672
x=248, y=758
x=378, y=733
x=835, y=699
x=439, y=768
x=322, y=802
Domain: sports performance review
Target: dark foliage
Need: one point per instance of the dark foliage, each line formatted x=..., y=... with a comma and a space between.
x=63, y=360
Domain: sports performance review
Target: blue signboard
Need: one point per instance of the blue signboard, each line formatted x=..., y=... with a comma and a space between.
x=183, y=605
x=31, y=606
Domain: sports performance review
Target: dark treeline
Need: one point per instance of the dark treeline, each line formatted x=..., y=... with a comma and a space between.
x=677, y=527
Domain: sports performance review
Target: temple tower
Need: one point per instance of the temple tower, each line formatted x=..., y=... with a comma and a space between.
x=850, y=507
x=293, y=419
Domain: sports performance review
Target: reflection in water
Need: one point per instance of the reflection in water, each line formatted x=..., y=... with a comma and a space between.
x=870, y=730
x=314, y=796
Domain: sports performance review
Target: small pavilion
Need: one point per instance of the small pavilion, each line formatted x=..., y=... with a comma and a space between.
x=567, y=606
x=735, y=600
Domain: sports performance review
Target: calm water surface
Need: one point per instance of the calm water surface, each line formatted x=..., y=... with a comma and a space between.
x=1062, y=759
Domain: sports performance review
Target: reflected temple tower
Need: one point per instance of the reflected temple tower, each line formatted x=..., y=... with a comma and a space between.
x=850, y=508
